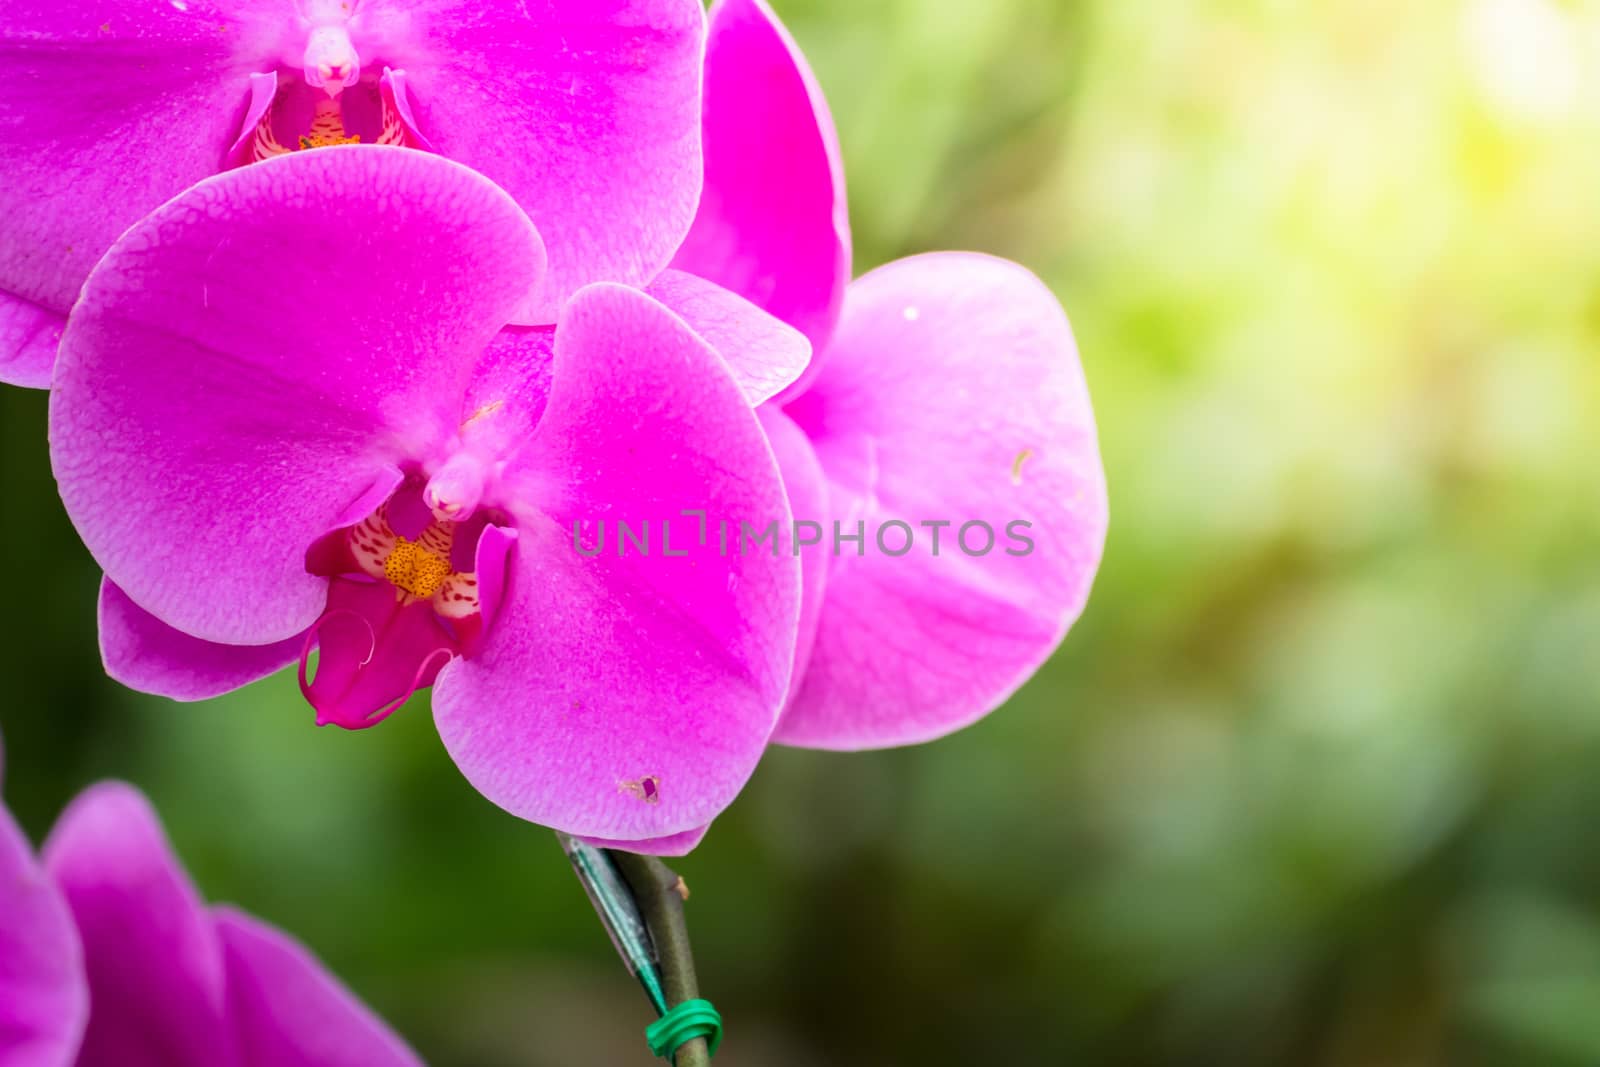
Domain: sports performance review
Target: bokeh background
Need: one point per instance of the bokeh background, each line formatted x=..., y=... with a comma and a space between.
x=1316, y=781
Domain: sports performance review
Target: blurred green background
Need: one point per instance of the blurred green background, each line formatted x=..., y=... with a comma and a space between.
x=1316, y=781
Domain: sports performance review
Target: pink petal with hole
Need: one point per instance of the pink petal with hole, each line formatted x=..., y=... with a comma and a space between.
x=952, y=393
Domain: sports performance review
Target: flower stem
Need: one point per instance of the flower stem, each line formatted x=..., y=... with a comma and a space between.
x=660, y=894
x=640, y=902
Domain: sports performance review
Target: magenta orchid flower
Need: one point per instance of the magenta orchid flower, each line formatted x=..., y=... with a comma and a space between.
x=945, y=390
x=586, y=111
x=109, y=958
x=278, y=427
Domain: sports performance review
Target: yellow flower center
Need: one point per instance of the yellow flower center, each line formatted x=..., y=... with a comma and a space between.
x=419, y=569
x=327, y=126
x=415, y=570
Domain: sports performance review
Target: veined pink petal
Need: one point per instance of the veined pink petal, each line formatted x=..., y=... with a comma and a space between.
x=154, y=963
x=107, y=109
x=586, y=111
x=146, y=654
x=286, y=1010
x=764, y=353
x=629, y=697
x=253, y=359
x=43, y=997
x=772, y=224
x=952, y=394
x=28, y=338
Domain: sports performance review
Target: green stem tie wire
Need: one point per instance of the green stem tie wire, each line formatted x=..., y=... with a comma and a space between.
x=639, y=903
x=685, y=1022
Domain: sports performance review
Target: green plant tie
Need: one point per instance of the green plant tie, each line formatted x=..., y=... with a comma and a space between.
x=685, y=1022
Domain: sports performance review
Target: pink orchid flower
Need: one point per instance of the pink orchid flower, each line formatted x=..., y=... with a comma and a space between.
x=278, y=426
x=586, y=111
x=945, y=389
x=109, y=958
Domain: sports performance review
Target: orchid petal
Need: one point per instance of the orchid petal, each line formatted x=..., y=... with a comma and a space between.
x=586, y=112
x=146, y=654
x=224, y=394
x=154, y=963
x=807, y=489
x=286, y=1010
x=43, y=997
x=773, y=224
x=672, y=845
x=107, y=109
x=764, y=353
x=29, y=335
x=953, y=394
x=629, y=697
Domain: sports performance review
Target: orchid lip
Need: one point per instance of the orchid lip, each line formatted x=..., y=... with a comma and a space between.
x=378, y=646
x=404, y=597
x=325, y=716
x=329, y=707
